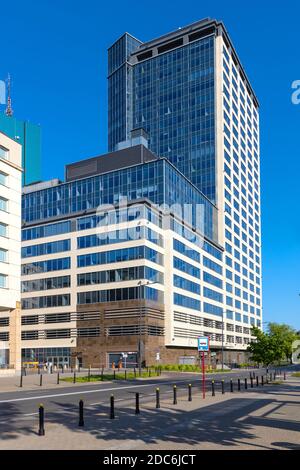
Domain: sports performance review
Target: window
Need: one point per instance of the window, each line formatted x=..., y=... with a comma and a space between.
x=3, y=255
x=4, y=153
x=3, y=178
x=185, y=284
x=185, y=301
x=46, y=248
x=3, y=204
x=3, y=230
x=3, y=281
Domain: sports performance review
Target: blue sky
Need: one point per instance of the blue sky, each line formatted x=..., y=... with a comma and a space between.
x=55, y=52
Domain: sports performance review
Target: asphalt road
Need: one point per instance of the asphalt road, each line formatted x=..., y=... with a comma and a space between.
x=63, y=398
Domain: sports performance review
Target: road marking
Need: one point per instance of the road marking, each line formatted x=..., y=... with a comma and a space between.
x=40, y=397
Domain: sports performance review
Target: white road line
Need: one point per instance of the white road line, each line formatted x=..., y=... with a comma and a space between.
x=41, y=397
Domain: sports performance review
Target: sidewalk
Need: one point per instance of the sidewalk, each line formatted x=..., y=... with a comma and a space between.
x=31, y=382
x=264, y=419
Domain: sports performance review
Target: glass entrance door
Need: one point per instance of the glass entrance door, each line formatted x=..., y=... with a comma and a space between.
x=59, y=361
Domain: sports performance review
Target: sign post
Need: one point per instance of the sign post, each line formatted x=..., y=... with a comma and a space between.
x=203, y=346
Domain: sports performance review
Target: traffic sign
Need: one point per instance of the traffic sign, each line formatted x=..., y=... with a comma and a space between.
x=203, y=343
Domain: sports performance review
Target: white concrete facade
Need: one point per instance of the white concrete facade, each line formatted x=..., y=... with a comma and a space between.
x=10, y=243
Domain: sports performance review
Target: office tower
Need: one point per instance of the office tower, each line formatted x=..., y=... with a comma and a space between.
x=190, y=93
x=10, y=254
x=29, y=136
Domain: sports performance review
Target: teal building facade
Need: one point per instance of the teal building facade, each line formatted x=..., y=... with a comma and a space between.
x=29, y=136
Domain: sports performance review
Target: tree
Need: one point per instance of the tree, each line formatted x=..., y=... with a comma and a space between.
x=285, y=335
x=274, y=345
x=262, y=349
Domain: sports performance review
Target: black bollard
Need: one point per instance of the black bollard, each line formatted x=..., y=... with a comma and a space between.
x=274, y=375
x=190, y=392
x=21, y=379
x=57, y=378
x=134, y=371
x=149, y=374
x=246, y=385
x=213, y=388
x=41, y=421
x=125, y=374
x=257, y=382
x=262, y=380
x=231, y=386
x=89, y=374
x=157, y=398
x=102, y=374
x=251, y=382
x=114, y=374
x=174, y=395
x=74, y=378
x=222, y=384
x=112, y=407
x=137, y=403
x=81, y=421
x=284, y=376
x=41, y=380
x=239, y=385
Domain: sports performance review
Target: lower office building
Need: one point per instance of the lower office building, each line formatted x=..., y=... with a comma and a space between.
x=10, y=253
x=122, y=256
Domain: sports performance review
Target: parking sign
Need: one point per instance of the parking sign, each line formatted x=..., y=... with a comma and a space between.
x=203, y=343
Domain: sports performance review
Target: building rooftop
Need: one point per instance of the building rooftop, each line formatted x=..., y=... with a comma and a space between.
x=194, y=31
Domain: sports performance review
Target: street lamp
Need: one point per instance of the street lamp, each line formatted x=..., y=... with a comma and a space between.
x=223, y=311
x=140, y=285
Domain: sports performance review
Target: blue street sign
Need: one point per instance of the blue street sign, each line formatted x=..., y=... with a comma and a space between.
x=203, y=343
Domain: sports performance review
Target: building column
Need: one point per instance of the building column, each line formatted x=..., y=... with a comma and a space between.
x=15, y=338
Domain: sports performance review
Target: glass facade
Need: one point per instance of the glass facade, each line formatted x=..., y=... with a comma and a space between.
x=158, y=181
x=171, y=96
x=120, y=89
x=29, y=136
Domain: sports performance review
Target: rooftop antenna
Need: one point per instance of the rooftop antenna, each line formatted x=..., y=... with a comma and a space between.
x=9, y=110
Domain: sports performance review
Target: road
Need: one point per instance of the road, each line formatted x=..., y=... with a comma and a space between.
x=263, y=417
x=24, y=403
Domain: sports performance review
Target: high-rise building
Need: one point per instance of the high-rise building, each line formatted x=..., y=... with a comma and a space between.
x=29, y=136
x=126, y=277
x=10, y=253
x=189, y=92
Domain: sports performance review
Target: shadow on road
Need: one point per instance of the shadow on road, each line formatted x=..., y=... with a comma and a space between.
x=229, y=422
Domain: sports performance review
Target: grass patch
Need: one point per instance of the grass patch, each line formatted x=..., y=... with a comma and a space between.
x=189, y=368
x=296, y=374
x=276, y=382
x=107, y=377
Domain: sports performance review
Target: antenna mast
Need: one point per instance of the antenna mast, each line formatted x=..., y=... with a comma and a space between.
x=9, y=110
